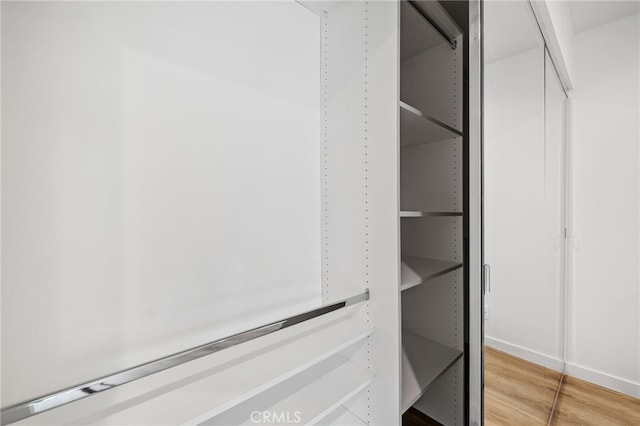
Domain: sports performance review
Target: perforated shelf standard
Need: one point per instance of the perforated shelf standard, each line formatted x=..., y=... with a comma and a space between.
x=416, y=270
x=417, y=127
x=423, y=361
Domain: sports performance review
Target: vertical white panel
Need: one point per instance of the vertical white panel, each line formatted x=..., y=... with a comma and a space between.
x=343, y=150
x=514, y=207
x=382, y=159
x=160, y=180
x=360, y=184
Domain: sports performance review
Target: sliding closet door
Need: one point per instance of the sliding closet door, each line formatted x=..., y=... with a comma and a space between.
x=523, y=218
x=514, y=179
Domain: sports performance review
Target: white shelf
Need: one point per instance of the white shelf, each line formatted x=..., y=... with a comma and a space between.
x=307, y=398
x=423, y=361
x=224, y=388
x=412, y=213
x=341, y=417
x=417, y=127
x=416, y=270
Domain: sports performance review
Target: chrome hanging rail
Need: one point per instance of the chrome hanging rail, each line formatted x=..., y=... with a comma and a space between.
x=44, y=403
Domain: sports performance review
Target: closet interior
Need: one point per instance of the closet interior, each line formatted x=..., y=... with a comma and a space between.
x=325, y=152
x=431, y=212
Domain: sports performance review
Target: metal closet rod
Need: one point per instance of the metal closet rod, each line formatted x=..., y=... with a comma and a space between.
x=452, y=42
x=44, y=403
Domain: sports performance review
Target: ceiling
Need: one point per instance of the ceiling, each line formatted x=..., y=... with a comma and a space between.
x=587, y=14
x=509, y=28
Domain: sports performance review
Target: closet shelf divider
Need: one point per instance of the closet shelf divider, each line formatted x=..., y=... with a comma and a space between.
x=417, y=128
x=417, y=270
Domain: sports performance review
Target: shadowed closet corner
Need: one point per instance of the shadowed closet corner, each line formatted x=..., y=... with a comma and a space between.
x=413, y=417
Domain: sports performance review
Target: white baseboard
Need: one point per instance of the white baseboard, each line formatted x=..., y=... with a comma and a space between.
x=604, y=379
x=526, y=354
x=571, y=369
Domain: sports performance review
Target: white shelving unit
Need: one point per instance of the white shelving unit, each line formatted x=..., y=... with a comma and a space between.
x=431, y=211
x=306, y=398
x=423, y=362
x=208, y=395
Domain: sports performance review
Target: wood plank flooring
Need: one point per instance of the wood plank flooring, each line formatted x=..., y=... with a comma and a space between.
x=517, y=392
x=583, y=403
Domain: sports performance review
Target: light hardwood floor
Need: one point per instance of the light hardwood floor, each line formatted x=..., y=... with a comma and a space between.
x=518, y=392
x=583, y=403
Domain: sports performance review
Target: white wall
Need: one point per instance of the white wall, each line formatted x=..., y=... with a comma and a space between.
x=160, y=180
x=604, y=332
